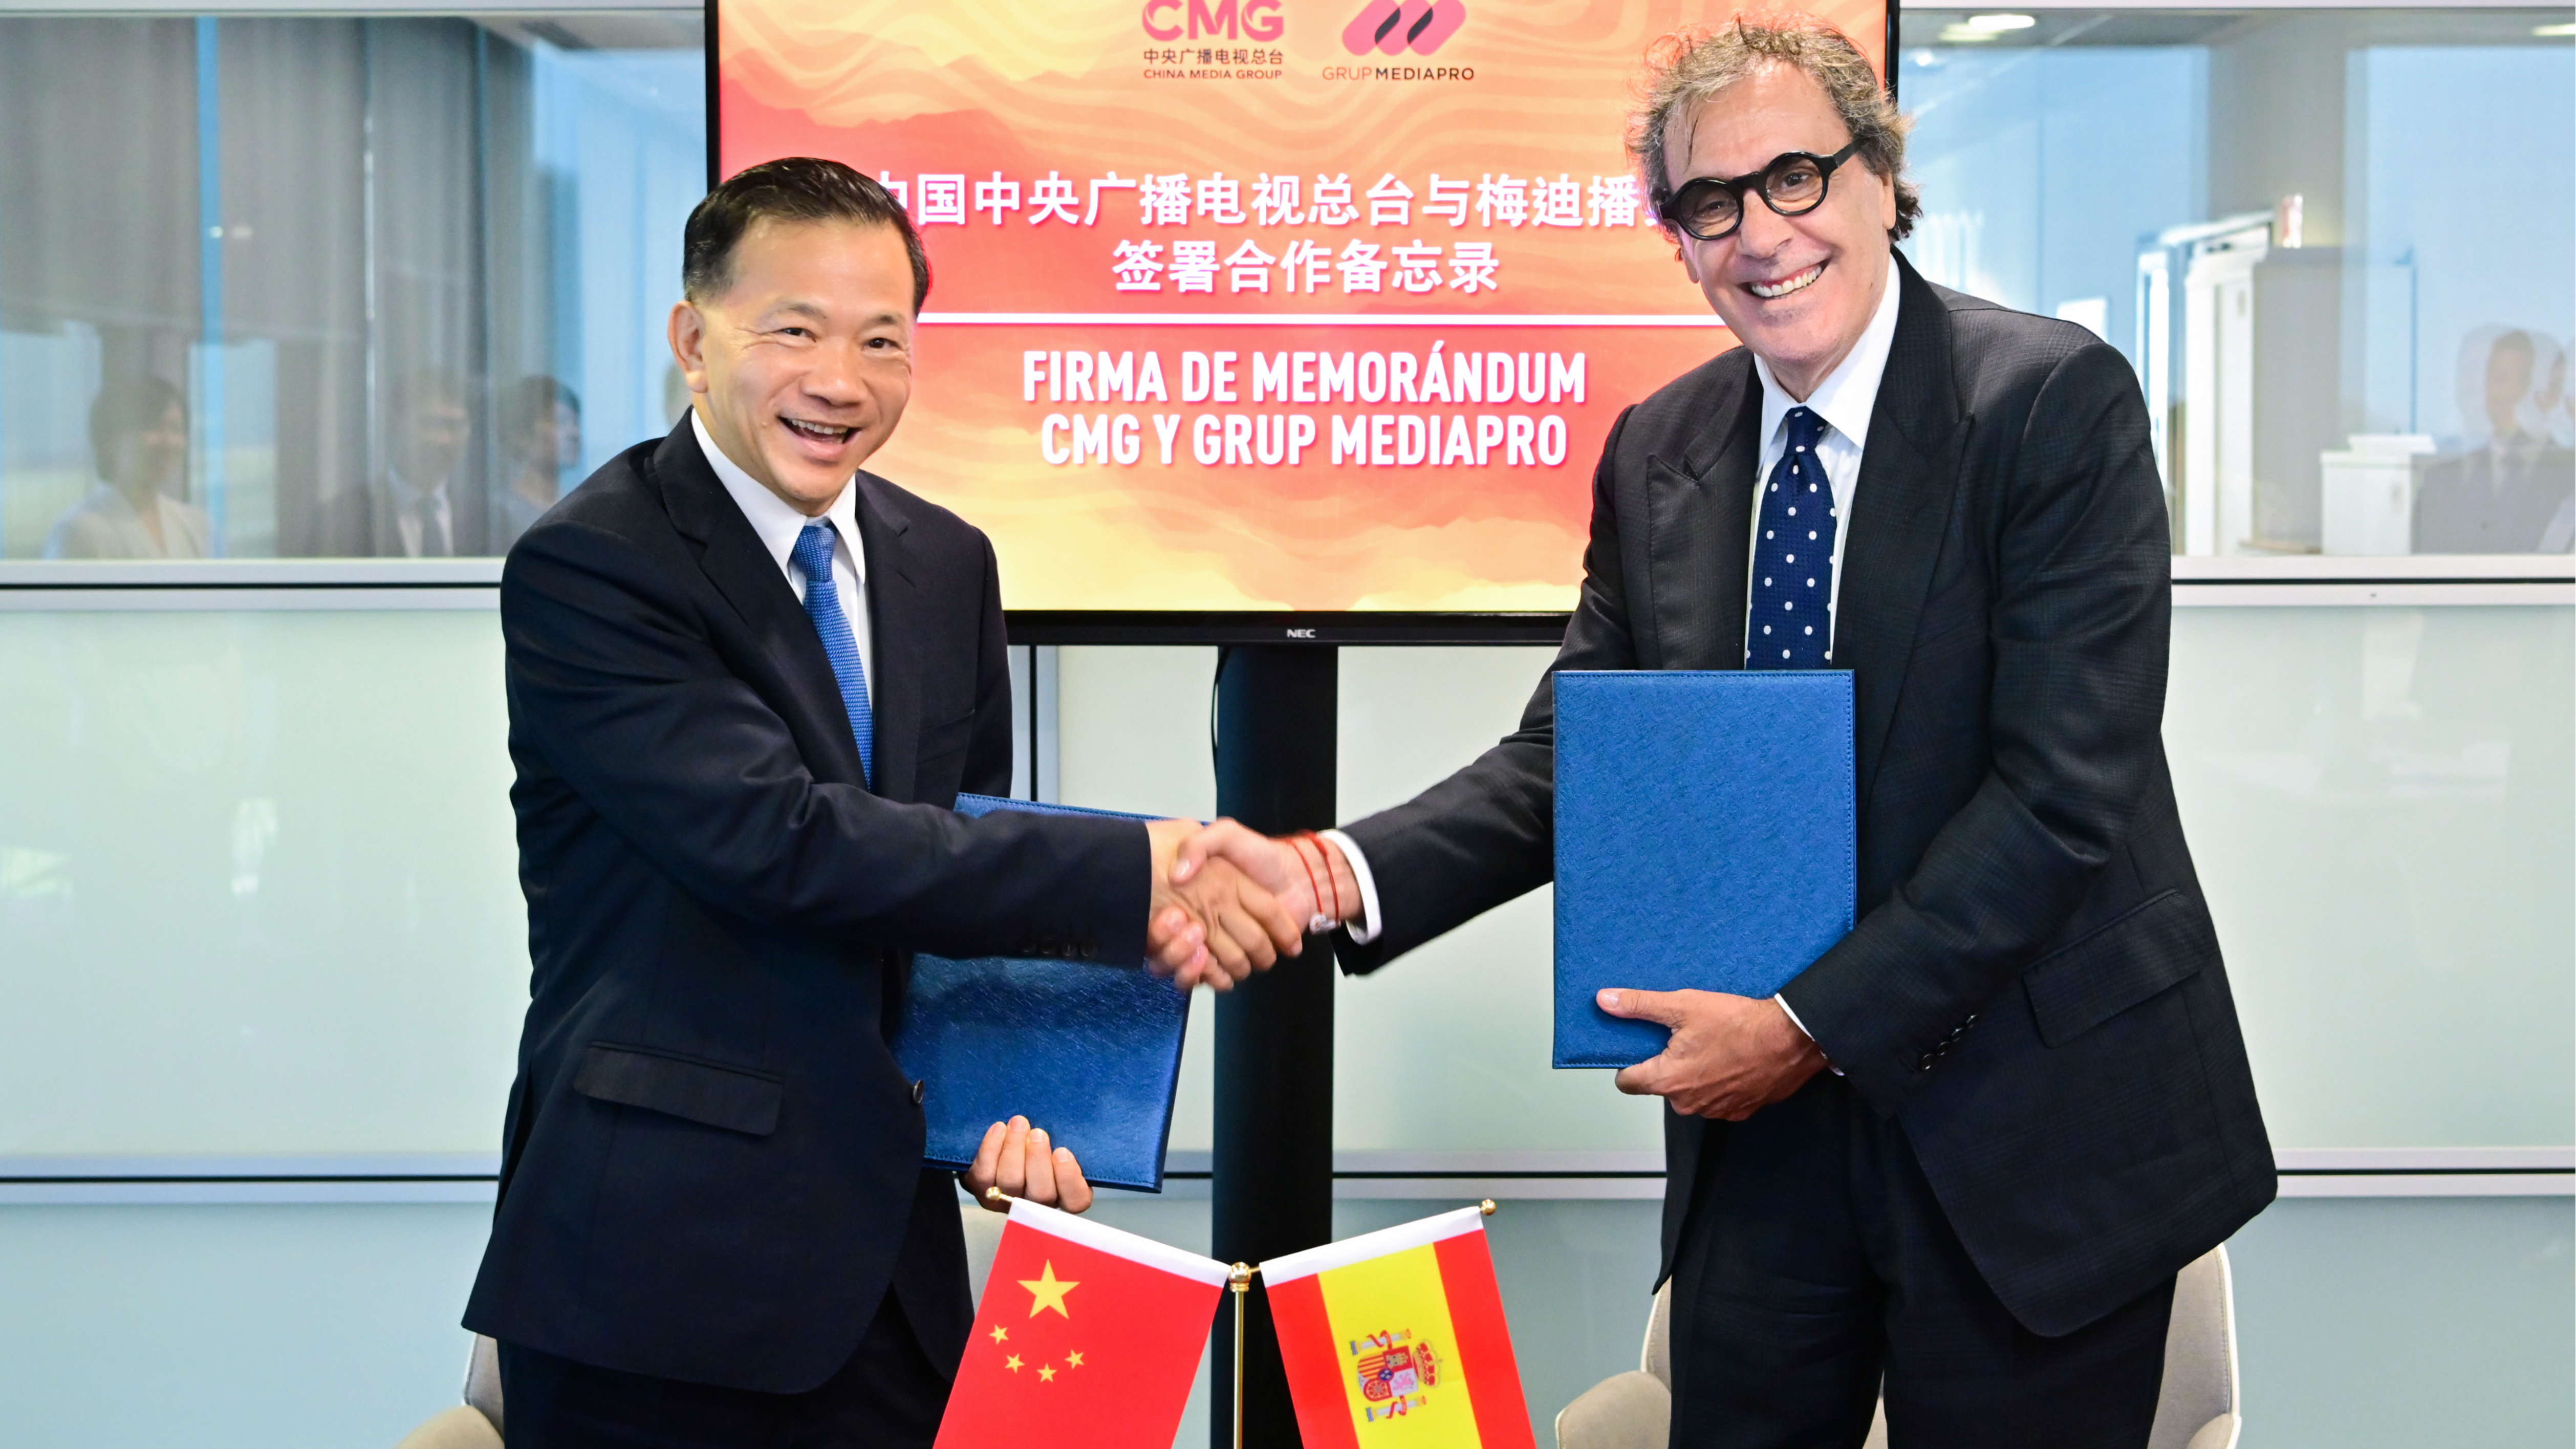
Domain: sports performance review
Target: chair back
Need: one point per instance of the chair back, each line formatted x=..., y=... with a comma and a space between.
x=2200, y=1382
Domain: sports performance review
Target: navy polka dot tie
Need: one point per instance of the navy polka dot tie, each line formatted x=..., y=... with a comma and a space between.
x=1789, y=626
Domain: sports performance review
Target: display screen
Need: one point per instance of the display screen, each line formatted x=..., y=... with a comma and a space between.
x=1254, y=306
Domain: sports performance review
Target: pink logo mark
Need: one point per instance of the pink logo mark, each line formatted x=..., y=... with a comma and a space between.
x=1393, y=26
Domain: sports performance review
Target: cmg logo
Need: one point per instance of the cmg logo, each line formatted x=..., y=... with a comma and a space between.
x=1394, y=26
x=1172, y=19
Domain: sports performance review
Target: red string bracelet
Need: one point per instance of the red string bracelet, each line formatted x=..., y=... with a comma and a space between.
x=1329, y=879
x=1312, y=890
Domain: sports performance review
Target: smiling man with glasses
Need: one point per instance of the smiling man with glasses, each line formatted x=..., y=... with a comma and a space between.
x=2038, y=1107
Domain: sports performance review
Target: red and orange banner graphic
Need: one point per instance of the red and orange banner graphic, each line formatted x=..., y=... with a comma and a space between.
x=1254, y=304
x=1397, y=1338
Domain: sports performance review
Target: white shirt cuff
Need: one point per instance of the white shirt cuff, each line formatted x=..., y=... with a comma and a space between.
x=1363, y=927
x=1792, y=1014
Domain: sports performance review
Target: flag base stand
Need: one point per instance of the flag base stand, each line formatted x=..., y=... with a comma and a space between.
x=1240, y=1281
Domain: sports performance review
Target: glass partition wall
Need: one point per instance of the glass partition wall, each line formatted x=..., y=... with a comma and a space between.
x=344, y=287
x=353, y=287
x=2339, y=246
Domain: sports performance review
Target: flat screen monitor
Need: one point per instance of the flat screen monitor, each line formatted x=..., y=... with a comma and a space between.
x=1255, y=319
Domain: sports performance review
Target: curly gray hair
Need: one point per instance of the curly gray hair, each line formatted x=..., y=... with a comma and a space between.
x=1685, y=69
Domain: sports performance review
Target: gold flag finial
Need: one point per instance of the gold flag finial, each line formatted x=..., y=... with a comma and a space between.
x=1486, y=1207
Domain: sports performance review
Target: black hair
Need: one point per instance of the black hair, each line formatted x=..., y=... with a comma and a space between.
x=530, y=399
x=126, y=406
x=796, y=188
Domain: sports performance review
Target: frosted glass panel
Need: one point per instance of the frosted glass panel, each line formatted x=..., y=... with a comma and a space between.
x=2380, y=804
x=1448, y=1048
x=257, y=893
x=257, y=889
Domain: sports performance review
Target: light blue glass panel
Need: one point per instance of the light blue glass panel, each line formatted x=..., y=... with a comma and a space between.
x=2362, y=1324
x=2379, y=801
x=2453, y=272
x=1448, y=1048
x=2380, y=805
x=232, y=1327
x=257, y=884
x=2040, y=170
x=2402, y=1323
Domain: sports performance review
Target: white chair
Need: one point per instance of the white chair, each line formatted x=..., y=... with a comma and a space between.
x=2196, y=1407
x=476, y=1423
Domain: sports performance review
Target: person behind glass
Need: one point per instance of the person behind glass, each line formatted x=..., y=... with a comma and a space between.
x=2514, y=488
x=541, y=437
x=138, y=435
x=410, y=512
x=747, y=680
x=1961, y=1157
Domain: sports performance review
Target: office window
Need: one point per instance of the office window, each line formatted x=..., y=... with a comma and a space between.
x=332, y=287
x=2339, y=246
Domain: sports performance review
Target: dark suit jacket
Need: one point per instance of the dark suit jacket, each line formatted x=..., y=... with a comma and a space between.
x=2034, y=990
x=712, y=1159
x=2480, y=503
x=359, y=522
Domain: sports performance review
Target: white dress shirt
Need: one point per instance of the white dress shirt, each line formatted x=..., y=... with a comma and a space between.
x=414, y=506
x=1844, y=399
x=778, y=525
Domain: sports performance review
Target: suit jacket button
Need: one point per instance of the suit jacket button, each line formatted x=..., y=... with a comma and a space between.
x=1925, y=1065
x=1090, y=951
x=916, y=1093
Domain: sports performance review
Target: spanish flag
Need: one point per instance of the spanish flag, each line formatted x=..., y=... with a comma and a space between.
x=1396, y=1338
x=1088, y=1334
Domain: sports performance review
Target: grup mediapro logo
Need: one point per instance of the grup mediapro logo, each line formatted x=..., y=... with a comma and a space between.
x=1392, y=27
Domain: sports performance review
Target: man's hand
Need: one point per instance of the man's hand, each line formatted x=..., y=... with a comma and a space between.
x=1016, y=1159
x=1309, y=877
x=1730, y=1056
x=1213, y=925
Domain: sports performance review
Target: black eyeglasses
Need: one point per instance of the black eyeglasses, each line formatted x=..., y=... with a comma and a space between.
x=1793, y=184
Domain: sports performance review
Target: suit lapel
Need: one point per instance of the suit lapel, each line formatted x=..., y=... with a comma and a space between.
x=895, y=620
x=1909, y=473
x=750, y=580
x=1698, y=519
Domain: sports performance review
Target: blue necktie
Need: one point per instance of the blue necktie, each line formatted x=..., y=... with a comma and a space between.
x=813, y=558
x=1789, y=626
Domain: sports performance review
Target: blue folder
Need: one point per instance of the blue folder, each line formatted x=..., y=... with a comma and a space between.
x=1705, y=837
x=1091, y=1053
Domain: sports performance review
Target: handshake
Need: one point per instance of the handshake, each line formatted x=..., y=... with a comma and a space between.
x=1229, y=901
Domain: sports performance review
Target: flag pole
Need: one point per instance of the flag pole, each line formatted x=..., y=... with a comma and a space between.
x=1240, y=1280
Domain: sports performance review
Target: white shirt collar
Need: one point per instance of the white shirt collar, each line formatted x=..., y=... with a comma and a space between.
x=774, y=520
x=411, y=497
x=1850, y=392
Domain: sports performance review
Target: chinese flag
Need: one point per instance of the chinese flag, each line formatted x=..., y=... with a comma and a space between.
x=1396, y=1338
x=1092, y=1333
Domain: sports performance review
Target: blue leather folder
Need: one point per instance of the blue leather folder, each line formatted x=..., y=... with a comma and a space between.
x=1091, y=1053
x=1705, y=837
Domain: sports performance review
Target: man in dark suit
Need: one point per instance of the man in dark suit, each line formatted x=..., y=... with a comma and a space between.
x=415, y=510
x=2039, y=1107
x=2509, y=493
x=747, y=681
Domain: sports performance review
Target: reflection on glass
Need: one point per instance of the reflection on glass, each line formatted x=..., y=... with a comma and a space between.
x=374, y=269
x=2338, y=245
x=138, y=434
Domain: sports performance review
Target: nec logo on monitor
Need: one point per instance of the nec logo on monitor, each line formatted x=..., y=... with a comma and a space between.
x=1198, y=20
x=1392, y=28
